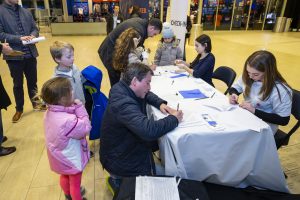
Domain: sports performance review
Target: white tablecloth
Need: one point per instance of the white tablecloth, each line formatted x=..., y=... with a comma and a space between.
x=241, y=152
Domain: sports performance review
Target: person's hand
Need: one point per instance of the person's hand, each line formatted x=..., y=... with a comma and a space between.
x=164, y=108
x=153, y=67
x=178, y=114
x=181, y=66
x=248, y=106
x=27, y=38
x=145, y=55
x=6, y=49
x=77, y=101
x=233, y=99
x=178, y=62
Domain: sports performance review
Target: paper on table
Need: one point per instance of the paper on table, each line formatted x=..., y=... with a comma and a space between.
x=34, y=40
x=156, y=188
x=196, y=93
x=191, y=120
x=221, y=107
x=242, y=118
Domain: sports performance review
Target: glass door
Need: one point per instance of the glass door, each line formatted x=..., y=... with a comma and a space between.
x=56, y=10
x=223, y=18
x=257, y=14
x=209, y=14
x=273, y=11
x=240, y=14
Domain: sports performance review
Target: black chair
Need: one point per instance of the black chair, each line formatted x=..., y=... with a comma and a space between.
x=282, y=138
x=225, y=74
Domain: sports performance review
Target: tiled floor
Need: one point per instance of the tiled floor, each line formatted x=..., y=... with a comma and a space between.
x=26, y=174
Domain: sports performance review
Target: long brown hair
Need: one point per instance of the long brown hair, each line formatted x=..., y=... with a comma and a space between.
x=205, y=41
x=124, y=45
x=263, y=61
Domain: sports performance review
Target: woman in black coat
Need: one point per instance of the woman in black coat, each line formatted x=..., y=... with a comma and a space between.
x=4, y=103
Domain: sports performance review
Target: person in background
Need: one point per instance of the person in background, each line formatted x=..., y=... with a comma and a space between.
x=128, y=136
x=16, y=26
x=134, y=11
x=267, y=95
x=113, y=20
x=66, y=124
x=145, y=29
x=203, y=65
x=126, y=50
x=4, y=103
x=168, y=49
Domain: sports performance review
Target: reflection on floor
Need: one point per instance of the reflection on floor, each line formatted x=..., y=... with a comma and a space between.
x=26, y=174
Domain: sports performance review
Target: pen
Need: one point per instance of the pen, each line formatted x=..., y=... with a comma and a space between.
x=177, y=106
x=213, y=95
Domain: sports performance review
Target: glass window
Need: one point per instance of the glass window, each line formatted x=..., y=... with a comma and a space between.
x=273, y=11
x=223, y=18
x=208, y=14
x=240, y=14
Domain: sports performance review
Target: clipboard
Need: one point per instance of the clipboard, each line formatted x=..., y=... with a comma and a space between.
x=16, y=53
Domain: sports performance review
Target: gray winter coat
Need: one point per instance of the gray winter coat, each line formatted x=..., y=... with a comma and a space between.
x=167, y=53
x=75, y=77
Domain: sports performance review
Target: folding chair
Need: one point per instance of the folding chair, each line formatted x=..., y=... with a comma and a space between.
x=282, y=138
x=225, y=74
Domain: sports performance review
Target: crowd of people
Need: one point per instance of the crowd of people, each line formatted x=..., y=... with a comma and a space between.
x=129, y=137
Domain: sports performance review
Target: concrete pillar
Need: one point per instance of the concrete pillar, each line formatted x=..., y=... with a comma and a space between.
x=161, y=10
x=65, y=9
x=46, y=3
x=200, y=4
x=90, y=3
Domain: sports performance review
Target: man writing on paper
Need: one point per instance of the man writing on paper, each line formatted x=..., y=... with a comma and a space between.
x=17, y=25
x=128, y=136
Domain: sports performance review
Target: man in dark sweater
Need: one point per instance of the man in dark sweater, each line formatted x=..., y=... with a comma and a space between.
x=16, y=26
x=142, y=26
x=128, y=136
x=4, y=103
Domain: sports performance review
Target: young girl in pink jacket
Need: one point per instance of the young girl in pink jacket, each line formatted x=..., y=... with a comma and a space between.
x=66, y=125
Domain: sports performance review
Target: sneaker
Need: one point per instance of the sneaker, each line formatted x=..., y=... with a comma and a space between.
x=3, y=139
x=82, y=192
x=112, y=185
x=39, y=107
x=4, y=151
x=17, y=116
x=91, y=154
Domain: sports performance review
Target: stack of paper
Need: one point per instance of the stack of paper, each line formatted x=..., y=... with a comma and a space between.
x=156, y=188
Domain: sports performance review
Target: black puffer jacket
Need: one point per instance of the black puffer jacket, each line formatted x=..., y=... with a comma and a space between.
x=128, y=136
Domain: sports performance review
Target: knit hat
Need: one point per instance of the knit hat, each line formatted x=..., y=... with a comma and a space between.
x=167, y=31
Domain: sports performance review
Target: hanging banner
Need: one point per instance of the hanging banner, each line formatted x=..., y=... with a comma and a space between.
x=179, y=9
x=144, y=7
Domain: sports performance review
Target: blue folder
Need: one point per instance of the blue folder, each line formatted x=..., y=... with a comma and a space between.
x=196, y=93
x=179, y=75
